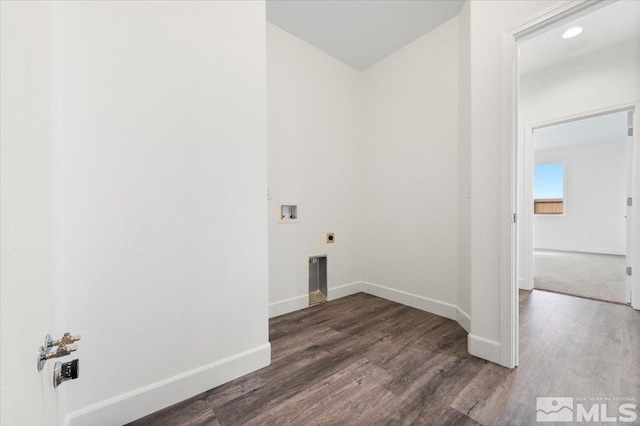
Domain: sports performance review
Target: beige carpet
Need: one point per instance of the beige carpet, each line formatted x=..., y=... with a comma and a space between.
x=596, y=276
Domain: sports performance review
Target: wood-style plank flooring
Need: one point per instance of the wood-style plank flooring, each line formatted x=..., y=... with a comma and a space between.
x=362, y=360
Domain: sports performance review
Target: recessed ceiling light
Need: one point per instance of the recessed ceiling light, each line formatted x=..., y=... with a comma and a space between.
x=571, y=32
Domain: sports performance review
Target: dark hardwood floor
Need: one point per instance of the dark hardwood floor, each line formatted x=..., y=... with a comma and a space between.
x=362, y=360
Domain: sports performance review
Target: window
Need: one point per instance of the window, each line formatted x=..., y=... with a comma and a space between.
x=548, y=189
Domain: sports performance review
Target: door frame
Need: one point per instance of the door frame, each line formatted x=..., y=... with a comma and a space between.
x=509, y=298
x=525, y=188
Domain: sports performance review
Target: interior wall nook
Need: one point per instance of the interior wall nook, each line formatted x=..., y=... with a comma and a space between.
x=372, y=157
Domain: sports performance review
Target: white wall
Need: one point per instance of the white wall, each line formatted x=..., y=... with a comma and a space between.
x=464, y=161
x=581, y=84
x=410, y=185
x=314, y=134
x=488, y=21
x=29, y=291
x=595, y=199
x=162, y=124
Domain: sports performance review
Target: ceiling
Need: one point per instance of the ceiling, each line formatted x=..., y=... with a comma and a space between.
x=612, y=25
x=360, y=32
x=603, y=128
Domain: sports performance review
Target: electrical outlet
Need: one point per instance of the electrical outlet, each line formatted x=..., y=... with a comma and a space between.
x=331, y=238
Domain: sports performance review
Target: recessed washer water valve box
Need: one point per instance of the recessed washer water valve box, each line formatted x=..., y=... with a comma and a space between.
x=288, y=213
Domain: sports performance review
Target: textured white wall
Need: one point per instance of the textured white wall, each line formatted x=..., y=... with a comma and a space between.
x=595, y=199
x=410, y=171
x=314, y=133
x=29, y=294
x=164, y=129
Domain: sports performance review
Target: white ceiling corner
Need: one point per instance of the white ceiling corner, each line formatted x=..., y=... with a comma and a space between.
x=360, y=32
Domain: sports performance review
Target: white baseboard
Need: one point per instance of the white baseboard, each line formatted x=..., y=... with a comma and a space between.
x=288, y=305
x=620, y=252
x=478, y=346
x=344, y=290
x=300, y=302
x=426, y=304
x=484, y=348
x=522, y=284
x=149, y=399
x=464, y=319
x=433, y=306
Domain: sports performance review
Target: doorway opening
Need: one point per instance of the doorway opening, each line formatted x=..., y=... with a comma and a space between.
x=579, y=234
x=575, y=72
